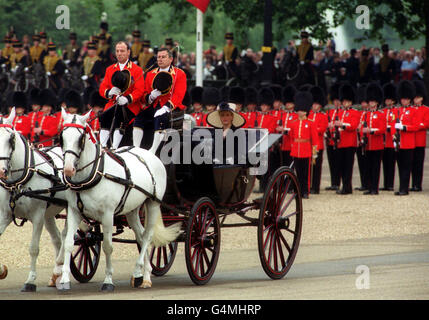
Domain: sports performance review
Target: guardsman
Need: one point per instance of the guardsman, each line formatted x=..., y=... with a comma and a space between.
x=362, y=139
x=97, y=104
x=347, y=125
x=136, y=47
x=278, y=104
x=197, y=104
x=391, y=113
x=21, y=122
x=374, y=132
x=54, y=66
x=126, y=98
x=211, y=99
x=146, y=58
x=320, y=120
x=72, y=50
x=404, y=134
x=265, y=119
x=251, y=102
x=35, y=105
x=230, y=52
x=420, y=103
x=92, y=66
x=303, y=134
x=36, y=50
x=284, y=122
x=165, y=105
x=46, y=127
x=18, y=57
x=332, y=138
x=237, y=97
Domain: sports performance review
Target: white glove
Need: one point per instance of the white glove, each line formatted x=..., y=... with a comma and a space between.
x=114, y=92
x=84, y=77
x=154, y=94
x=161, y=111
x=48, y=74
x=122, y=100
x=399, y=126
x=26, y=69
x=66, y=61
x=395, y=144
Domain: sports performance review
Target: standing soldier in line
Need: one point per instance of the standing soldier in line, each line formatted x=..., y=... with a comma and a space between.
x=320, y=121
x=360, y=150
x=92, y=66
x=36, y=50
x=288, y=116
x=303, y=133
x=46, y=123
x=391, y=113
x=197, y=104
x=97, y=104
x=146, y=58
x=21, y=122
x=404, y=134
x=211, y=99
x=420, y=104
x=72, y=50
x=277, y=105
x=374, y=131
x=251, y=102
x=332, y=138
x=136, y=47
x=237, y=96
x=54, y=67
x=347, y=125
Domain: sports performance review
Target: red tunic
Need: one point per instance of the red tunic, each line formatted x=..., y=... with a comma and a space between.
x=250, y=117
x=267, y=121
x=423, y=125
x=199, y=117
x=286, y=119
x=22, y=124
x=390, y=114
x=174, y=98
x=409, y=118
x=133, y=93
x=49, y=125
x=376, y=122
x=348, y=133
x=320, y=119
x=303, y=134
x=332, y=114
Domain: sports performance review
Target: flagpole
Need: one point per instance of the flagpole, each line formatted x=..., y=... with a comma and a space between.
x=199, y=49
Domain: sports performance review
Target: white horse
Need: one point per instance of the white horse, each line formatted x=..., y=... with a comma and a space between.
x=89, y=171
x=23, y=167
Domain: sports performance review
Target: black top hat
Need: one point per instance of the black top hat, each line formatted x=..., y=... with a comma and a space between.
x=122, y=80
x=266, y=96
x=19, y=100
x=406, y=90
x=421, y=90
x=229, y=36
x=163, y=81
x=211, y=96
x=74, y=100
x=318, y=95
x=96, y=100
x=48, y=97
x=288, y=93
x=197, y=95
x=390, y=92
x=213, y=118
x=236, y=95
x=303, y=101
x=347, y=92
x=374, y=93
x=251, y=96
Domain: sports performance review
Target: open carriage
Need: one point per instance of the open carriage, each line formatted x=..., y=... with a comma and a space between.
x=202, y=196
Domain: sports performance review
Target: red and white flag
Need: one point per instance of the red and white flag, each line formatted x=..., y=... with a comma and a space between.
x=200, y=4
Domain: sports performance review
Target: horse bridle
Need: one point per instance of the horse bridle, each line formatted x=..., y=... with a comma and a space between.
x=12, y=142
x=81, y=145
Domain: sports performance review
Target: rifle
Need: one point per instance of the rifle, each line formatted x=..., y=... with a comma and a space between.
x=364, y=139
x=36, y=136
x=397, y=137
x=336, y=136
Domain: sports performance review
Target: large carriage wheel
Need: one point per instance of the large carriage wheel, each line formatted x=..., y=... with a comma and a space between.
x=86, y=256
x=162, y=258
x=202, y=242
x=280, y=223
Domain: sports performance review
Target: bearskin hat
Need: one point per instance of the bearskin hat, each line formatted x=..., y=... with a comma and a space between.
x=197, y=95
x=347, y=92
x=95, y=100
x=361, y=94
x=19, y=100
x=266, y=96
x=236, y=95
x=334, y=92
x=390, y=92
x=73, y=99
x=277, y=90
x=406, y=90
x=251, y=96
x=318, y=95
x=34, y=96
x=421, y=90
x=87, y=92
x=48, y=97
x=211, y=96
x=374, y=93
x=288, y=93
x=303, y=101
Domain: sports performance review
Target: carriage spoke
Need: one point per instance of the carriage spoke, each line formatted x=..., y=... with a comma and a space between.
x=279, y=246
x=285, y=242
x=283, y=210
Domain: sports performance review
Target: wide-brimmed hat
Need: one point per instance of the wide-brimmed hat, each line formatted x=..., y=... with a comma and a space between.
x=163, y=81
x=213, y=118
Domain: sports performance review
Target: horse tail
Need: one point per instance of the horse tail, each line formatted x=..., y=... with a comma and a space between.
x=163, y=235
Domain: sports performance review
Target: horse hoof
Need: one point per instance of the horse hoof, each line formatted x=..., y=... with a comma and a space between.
x=147, y=284
x=4, y=273
x=63, y=287
x=28, y=287
x=53, y=281
x=107, y=287
x=140, y=283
